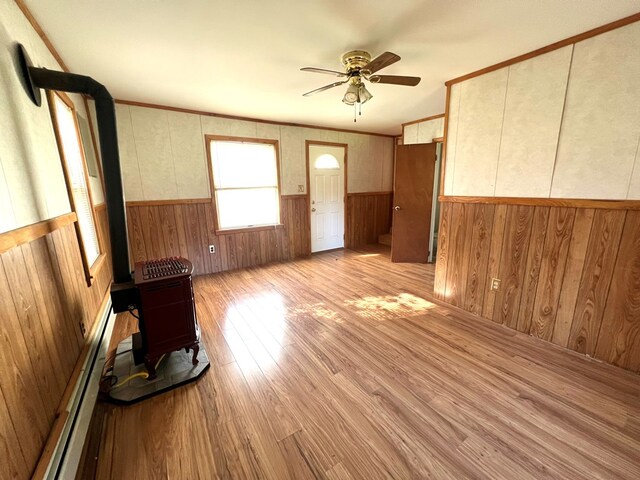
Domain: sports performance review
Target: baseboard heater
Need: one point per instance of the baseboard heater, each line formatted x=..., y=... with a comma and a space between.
x=67, y=452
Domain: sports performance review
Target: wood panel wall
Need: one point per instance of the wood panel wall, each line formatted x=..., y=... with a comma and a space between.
x=46, y=310
x=158, y=229
x=570, y=276
x=181, y=229
x=368, y=216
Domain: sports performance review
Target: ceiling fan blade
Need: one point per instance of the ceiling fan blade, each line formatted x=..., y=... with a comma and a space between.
x=381, y=61
x=322, y=89
x=395, y=80
x=324, y=70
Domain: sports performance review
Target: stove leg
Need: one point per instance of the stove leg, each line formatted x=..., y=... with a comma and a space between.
x=151, y=368
x=196, y=349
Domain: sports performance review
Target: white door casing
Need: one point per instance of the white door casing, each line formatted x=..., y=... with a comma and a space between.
x=326, y=193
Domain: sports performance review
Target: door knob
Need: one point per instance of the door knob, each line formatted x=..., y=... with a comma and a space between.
x=313, y=209
x=396, y=208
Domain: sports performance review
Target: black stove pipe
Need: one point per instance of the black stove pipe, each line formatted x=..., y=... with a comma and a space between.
x=114, y=195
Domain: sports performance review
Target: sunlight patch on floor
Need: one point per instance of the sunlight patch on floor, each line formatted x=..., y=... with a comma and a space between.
x=267, y=312
x=317, y=310
x=398, y=305
x=254, y=329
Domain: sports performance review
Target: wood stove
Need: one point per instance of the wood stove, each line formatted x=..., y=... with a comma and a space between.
x=161, y=291
x=166, y=311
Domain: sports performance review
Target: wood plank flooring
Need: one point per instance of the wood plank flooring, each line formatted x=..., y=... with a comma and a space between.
x=339, y=366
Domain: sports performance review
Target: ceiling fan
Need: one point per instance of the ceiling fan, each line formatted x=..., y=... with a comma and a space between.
x=358, y=67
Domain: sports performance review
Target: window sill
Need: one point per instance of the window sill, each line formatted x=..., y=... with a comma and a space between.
x=231, y=231
x=93, y=270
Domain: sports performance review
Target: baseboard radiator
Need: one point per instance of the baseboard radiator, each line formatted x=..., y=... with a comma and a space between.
x=67, y=452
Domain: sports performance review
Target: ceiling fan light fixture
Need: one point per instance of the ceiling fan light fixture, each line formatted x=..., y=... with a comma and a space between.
x=351, y=96
x=363, y=94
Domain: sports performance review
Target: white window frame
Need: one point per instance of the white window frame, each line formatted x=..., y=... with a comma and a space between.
x=209, y=140
x=90, y=269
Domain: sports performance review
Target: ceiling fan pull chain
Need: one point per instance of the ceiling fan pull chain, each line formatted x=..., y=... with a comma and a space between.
x=354, y=112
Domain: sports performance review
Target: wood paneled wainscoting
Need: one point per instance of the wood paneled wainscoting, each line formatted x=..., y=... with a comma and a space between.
x=368, y=217
x=186, y=228
x=568, y=275
x=46, y=314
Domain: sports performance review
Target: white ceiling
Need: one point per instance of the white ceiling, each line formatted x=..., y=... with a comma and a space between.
x=242, y=57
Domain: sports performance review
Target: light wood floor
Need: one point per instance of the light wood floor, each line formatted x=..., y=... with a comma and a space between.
x=339, y=366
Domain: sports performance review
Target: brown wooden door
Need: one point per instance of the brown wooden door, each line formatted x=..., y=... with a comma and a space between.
x=412, y=200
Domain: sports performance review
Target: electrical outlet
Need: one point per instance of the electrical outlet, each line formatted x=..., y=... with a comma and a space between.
x=301, y=188
x=212, y=249
x=495, y=284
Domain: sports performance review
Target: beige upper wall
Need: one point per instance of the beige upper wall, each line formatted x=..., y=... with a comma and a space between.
x=565, y=124
x=598, y=145
x=423, y=132
x=163, y=153
x=32, y=186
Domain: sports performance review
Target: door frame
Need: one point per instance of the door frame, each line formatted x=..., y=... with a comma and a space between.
x=307, y=143
x=435, y=219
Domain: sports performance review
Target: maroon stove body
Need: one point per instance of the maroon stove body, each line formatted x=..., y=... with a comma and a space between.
x=167, y=313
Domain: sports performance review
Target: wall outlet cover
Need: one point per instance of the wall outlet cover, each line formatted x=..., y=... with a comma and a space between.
x=495, y=284
x=212, y=249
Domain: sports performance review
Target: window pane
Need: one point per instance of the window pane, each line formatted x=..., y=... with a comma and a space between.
x=247, y=207
x=75, y=170
x=87, y=229
x=326, y=162
x=238, y=164
x=87, y=147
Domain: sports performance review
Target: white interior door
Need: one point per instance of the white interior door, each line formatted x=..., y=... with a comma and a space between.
x=326, y=190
